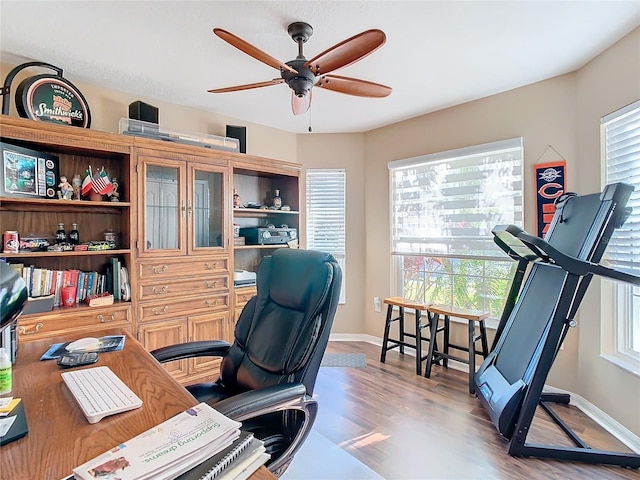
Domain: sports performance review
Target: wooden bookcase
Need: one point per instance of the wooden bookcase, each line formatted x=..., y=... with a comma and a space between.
x=75, y=149
x=175, y=222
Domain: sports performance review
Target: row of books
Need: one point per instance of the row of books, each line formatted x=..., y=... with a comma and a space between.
x=43, y=282
x=197, y=444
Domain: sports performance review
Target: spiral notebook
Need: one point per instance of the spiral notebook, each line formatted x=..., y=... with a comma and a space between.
x=214, y=466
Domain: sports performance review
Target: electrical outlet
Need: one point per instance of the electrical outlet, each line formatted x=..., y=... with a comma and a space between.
x=377, y=305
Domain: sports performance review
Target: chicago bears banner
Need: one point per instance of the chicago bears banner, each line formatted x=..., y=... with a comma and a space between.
x=550, y=184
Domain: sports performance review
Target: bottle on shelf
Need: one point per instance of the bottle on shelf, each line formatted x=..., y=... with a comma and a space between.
x=5, y=372
x=61, y=235
x=74, y=235
x=277, y=200
x=237, y=203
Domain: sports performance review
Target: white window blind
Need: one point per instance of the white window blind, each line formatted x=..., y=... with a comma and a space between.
x=446, y=204
x=621, y=135
x=326, y=222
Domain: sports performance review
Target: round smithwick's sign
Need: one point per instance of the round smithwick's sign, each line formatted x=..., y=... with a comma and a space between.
x=51, y=98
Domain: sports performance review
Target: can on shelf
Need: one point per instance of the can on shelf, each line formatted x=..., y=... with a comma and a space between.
x=10, y=242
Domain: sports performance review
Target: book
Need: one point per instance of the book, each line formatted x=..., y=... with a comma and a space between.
x=99, y=300
x=166, y=450
x=246, y=463
x=213, y=466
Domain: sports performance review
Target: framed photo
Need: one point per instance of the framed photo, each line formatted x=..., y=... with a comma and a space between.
x=27, y=173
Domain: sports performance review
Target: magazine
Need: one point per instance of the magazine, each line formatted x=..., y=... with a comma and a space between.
x=109, y=343
x=166, y=450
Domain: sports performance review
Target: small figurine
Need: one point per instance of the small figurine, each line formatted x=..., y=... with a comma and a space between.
x=77, y=186
x=66, y=190
x=115, y=195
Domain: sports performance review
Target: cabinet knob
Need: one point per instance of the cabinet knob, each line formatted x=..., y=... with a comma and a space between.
x=211, y=303
x=211, y=267
x=38, y=326
x=160, y=269
x=159, y=311
x=107, y=319
x=160, y=291
x=209, y=284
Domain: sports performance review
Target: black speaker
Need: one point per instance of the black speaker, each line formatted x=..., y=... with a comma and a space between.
x=240, y=133
x=143, y=111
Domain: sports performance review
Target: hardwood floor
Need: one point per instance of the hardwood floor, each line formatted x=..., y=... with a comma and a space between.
x=408, y=427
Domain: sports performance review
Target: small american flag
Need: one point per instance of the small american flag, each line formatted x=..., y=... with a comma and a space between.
x=101, y=183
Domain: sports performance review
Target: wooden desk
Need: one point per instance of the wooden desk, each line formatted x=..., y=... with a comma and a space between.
x=60, y=438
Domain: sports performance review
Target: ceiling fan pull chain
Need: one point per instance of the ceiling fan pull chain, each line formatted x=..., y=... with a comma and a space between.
x=310, y=119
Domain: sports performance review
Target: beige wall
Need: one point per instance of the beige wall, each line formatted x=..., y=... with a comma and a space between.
x=562, y=112
x=108, y=106
x=345, y=151
x=543, y=114
x=609, y=82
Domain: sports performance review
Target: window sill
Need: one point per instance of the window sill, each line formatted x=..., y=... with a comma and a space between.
x=629, y=365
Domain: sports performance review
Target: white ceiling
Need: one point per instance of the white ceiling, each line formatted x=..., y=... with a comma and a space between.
x=437, y=53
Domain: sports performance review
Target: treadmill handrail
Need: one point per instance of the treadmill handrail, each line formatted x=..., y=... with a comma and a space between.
x=529, y=247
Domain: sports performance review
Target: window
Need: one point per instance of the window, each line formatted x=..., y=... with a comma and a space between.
x=326, y=215
x=443, y=208
x=620, y=138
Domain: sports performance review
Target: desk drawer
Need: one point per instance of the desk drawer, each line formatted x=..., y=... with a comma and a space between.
x=182, y=267
x=172, y=288
x=183, y=306
x=243, y=295
x=80, y=321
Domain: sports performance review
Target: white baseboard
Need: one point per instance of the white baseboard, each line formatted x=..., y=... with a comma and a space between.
x=616, y=429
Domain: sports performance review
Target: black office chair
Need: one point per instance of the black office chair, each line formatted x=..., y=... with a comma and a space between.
x=267, y=376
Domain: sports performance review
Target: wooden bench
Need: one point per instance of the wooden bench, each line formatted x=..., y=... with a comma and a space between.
x=472, y=317
x=401, y=342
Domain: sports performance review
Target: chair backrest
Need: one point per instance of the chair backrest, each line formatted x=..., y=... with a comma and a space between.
x=283, y=331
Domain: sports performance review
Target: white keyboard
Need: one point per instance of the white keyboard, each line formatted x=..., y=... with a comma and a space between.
x=100, y=392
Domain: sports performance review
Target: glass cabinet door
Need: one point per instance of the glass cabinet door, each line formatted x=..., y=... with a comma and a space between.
x=164, y=208
x=206, y=208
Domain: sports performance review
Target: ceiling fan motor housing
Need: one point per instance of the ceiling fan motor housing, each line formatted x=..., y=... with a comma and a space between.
x=301, y=82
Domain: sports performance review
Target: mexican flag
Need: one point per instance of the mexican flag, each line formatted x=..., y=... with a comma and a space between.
x=87, y=182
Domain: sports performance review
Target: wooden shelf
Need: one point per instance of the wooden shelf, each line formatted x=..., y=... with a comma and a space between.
x=260, y=247
x=73, y=253
x=77, y=308
x=260, y=212
x=44, y=205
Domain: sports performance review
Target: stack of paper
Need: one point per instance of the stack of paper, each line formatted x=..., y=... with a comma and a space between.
x=167, y=450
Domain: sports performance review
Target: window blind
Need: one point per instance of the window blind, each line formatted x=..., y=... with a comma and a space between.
x=621, y=135
x=326, y=210
x=447, y=203
x=326, y=220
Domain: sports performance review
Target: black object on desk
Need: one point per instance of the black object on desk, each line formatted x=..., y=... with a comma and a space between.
x=19, y=427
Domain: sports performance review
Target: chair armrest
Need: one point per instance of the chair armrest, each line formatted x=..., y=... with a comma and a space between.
x=206, y=348
x=265, y=400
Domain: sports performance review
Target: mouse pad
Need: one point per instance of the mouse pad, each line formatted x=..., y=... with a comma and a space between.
x=18, y=428
x=110, y=343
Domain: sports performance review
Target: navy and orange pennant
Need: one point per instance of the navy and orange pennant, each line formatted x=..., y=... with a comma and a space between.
x=550, y=184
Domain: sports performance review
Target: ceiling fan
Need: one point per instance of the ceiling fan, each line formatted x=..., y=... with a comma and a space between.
x=302, y=75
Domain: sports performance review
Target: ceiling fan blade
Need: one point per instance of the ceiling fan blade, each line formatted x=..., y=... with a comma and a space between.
x=275, y=81
x=346, y=52
x=353, y=86
x=252, y=51
x=300, y=105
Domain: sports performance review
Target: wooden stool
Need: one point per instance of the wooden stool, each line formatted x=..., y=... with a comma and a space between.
x=419, y=307
x=472, y=316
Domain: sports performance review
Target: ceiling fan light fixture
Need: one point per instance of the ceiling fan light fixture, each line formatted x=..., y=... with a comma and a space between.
x=300, y=85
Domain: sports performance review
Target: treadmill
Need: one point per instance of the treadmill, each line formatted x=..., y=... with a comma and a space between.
x=538, y=315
